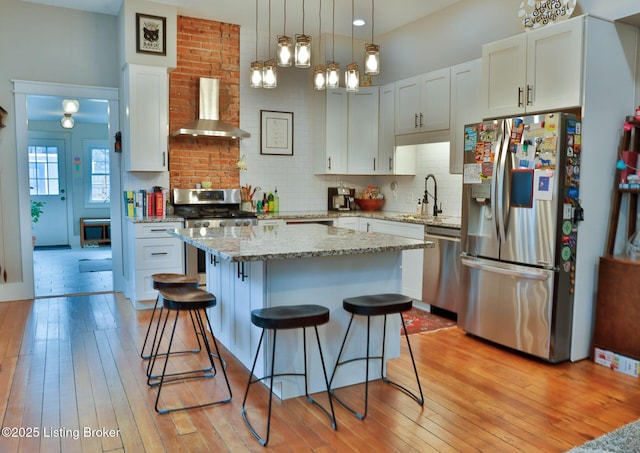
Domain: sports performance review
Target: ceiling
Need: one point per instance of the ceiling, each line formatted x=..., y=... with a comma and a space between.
x=389, y=14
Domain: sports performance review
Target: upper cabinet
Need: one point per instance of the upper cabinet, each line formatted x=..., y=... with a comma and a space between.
x=145, y=129
x=347, y=133
x=330, y=156
x=465, y=107
x=362, y=135
x=422, y=103
x=532, y=72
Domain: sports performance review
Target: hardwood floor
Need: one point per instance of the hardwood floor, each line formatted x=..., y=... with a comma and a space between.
x=72, y=364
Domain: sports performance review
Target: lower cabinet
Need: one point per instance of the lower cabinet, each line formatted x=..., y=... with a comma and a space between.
x=151, y=251
x=412, y=260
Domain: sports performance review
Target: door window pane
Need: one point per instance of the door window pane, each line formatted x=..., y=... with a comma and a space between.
x=100, y=180
x=43, y=170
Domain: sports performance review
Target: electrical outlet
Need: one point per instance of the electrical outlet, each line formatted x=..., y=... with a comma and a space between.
x=409, y=198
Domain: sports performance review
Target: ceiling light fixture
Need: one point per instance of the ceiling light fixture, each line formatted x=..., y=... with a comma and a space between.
x=66, y=121
x=319, y=71
x=352, y=74
x=283, y=53
x=256, y=66
x=269, y=75
x=333, y=68
x=303, y=47
x=372, y=51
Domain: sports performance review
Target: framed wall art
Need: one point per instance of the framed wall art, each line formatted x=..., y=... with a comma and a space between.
x=276, y=133
x=151, y=34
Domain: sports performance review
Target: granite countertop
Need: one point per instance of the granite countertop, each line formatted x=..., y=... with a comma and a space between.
x=259, y=243
x=441, y=220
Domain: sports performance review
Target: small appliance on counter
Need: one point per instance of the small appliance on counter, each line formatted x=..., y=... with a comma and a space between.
x=341, y=199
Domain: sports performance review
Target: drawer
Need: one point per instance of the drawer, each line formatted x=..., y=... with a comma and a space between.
x=144, y=282
x=159, y=253
x=155, y=230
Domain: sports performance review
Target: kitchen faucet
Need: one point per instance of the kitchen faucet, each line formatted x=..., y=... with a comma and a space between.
x=436, y=211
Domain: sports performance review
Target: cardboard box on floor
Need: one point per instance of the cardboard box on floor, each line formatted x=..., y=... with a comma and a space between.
x=616, y=362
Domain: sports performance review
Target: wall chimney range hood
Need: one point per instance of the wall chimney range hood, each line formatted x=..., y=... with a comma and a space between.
x=209, y=124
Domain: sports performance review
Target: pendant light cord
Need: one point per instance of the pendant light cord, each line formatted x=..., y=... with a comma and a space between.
x=352, y=16
x=269, y=36
x=333, y=32
x=372, y=18
x=256, y=30
x=303, y=17
x=285, y=18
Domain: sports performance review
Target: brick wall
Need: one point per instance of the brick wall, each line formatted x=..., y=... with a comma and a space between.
x=205, y=49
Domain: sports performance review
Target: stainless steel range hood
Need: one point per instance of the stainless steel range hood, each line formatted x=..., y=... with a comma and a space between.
x=209, y=124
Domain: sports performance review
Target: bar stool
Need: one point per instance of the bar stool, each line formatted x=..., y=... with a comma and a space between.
x=163, y=281
x=288, y=317
x=195, y=301
x=376, y=305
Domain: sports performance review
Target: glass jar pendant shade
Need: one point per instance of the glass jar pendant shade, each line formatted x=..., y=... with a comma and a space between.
x=303, y=51
x=333, y=74
x=256, y=74
x=372, y=59
x=319, y=77
x=269, y=75
x=284, y=51
x=352, y=77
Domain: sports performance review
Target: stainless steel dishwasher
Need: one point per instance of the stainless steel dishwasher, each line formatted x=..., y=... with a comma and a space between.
x=441, y=271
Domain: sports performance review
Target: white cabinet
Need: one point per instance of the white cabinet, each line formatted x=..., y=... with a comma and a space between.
x=466, y=107
x=362, y=135
x=392, y=160
x=346, y=132
x=145, y=129
x=412, y=260
x=151, y=251
x=330, y=155
x=422, y=103
x=532, y=72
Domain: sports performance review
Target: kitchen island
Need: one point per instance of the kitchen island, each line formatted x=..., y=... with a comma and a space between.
x=265, y=266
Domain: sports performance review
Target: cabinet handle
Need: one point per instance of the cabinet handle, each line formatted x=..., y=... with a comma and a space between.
x=214, y=260
x=164, y=158
x=415, y=121
x=159, y=253
x=421, y=120
x=4, y=275
x=241, y=273
x=374, y=164
x=391, y=163
x=329, y=163
x=158, y=230
x=529, y=95
x=520, y=97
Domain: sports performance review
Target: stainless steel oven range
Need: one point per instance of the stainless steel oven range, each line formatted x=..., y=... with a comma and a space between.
x=208, y=208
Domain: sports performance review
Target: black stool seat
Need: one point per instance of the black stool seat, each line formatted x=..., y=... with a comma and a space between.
x=195, y=301
x=290, y=317
x=187, y=298
x=165, y=281
x=377, y=304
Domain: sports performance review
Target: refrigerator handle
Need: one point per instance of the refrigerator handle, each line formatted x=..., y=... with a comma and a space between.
x=529, y=275
x=500, y=176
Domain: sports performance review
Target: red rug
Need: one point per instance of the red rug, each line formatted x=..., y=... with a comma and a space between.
x=420, y=321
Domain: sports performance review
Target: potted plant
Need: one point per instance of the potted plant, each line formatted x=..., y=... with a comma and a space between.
x=36, y=212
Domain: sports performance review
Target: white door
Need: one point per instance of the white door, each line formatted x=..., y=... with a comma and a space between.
x=47, y=183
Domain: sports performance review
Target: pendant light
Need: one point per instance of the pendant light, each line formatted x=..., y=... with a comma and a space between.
x=319, y=71
x=352, y=74
x=269, y=74
x=303, y=47
x=333, y=68
x=283, y=53
x=372, y=51
x=256, y=66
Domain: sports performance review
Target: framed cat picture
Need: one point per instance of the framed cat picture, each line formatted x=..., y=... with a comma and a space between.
x=151, y=34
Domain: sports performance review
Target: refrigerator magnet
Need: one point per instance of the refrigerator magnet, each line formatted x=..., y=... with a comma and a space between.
x=544, y=185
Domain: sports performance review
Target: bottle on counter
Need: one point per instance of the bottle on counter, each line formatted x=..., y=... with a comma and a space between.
x=271, y=202
x=276, y=201
x=265, y=203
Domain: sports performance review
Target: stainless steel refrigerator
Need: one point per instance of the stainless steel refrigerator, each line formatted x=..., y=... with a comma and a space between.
x=519, y=232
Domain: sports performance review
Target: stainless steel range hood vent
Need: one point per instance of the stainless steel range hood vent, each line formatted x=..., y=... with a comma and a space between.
x=209, y=124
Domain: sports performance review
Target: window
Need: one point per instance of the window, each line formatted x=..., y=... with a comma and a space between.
x=43, y=170
x=99, y=175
